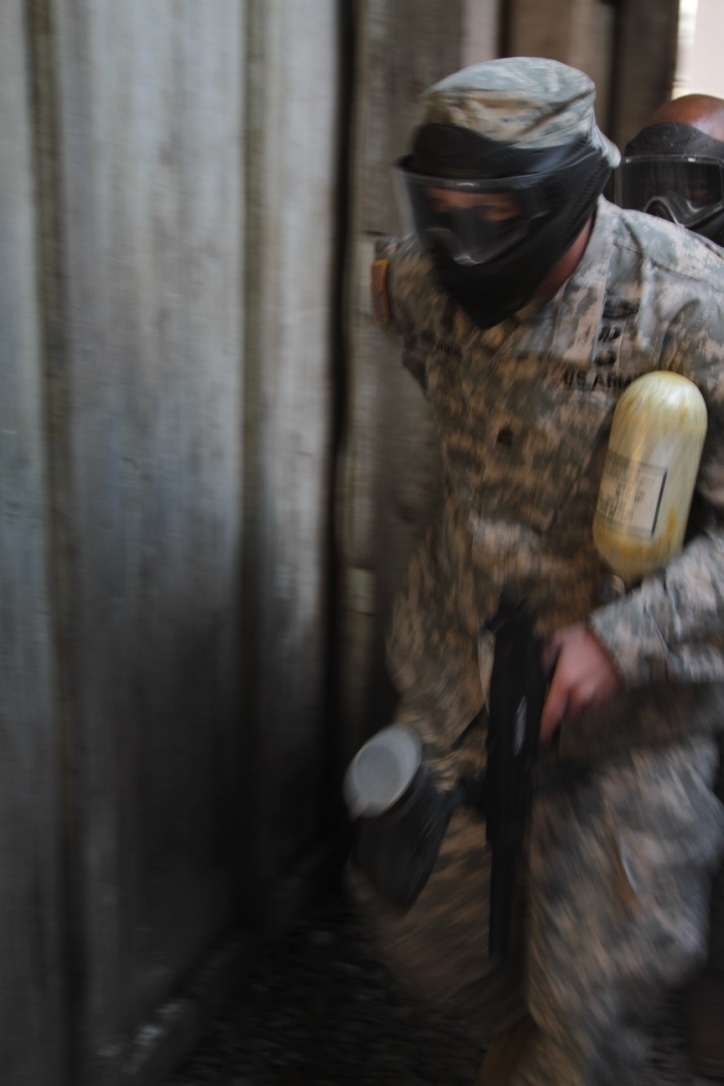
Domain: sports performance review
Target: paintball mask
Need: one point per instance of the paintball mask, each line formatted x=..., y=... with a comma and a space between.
x=494, y=217
x=675, y=171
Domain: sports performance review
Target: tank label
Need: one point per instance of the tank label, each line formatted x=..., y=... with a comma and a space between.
x=630, y=495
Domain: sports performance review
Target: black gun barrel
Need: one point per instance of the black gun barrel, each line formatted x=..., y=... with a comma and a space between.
x=517, y=692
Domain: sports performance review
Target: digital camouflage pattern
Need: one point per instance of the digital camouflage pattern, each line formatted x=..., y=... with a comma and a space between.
x=619, y=868
x=524, y=410
x=619, y=901
x=527, y=101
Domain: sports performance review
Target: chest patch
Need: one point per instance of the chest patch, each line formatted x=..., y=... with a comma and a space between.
x=617, y=314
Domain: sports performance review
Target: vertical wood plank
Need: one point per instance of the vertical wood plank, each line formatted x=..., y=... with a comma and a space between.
x=645, y=52
x=151, y=116
x=292, y=156
x=33, y=1007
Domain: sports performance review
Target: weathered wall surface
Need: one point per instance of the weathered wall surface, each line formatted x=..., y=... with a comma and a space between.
x=644, y=64
x=169, y=208
x=151, y=418
x=293, y=110
x=33, y=991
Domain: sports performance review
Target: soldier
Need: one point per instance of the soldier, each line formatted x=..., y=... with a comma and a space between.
x=674, y=168
x=526, y=304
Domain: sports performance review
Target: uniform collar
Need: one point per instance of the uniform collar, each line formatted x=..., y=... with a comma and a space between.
x=579, y=302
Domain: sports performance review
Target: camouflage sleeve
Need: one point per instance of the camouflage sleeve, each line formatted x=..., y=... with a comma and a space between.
x=407, y=296
x=671, y=627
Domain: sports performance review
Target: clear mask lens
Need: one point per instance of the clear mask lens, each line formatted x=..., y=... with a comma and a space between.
x=685, y=190
x=475, y=221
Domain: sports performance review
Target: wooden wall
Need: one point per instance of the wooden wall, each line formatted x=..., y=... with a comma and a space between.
x=169, y=201
x=295, y=112
x=150, y=473
x=644, y=63
x=33, y=989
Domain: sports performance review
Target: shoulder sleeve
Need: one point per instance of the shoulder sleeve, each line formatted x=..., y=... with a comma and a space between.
x=402, y=293
x=672, y=626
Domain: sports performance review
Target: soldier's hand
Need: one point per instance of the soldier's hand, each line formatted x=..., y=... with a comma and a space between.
x=583, y=676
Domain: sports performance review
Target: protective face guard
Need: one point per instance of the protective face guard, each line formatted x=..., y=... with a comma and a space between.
x=475, y=220
x=685, y=190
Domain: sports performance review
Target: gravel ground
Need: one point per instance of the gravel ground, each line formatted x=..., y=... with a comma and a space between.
x=321, y=1011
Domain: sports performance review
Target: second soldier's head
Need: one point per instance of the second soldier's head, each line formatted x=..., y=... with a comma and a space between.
x=674, y=167
x=503, y=175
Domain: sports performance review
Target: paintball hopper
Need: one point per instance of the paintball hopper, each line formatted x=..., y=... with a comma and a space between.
x=400, y=817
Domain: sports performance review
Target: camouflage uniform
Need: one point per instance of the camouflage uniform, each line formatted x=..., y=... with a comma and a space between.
x=619, y=868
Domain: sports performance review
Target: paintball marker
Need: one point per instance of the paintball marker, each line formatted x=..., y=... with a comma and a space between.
x=401, y=816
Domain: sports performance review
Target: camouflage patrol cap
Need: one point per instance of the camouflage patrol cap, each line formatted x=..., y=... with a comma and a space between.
x=530, y=102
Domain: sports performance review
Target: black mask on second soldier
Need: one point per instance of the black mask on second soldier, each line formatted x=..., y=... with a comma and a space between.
x=676, y=172
x=557, y=189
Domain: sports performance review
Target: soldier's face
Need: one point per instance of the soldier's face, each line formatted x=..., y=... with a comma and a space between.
x=490, y=207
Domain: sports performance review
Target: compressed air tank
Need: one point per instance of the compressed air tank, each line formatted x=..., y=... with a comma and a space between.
x=649, y=475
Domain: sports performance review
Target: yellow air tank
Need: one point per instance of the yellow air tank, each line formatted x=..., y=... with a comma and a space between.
x=649, y=474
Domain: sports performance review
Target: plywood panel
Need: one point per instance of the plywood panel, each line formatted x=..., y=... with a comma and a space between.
x=33, y=1006
x=151, y=100
x=294, y=112
x=645, y=63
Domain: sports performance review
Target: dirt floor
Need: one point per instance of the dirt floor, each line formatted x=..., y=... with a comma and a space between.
x=321, y=1011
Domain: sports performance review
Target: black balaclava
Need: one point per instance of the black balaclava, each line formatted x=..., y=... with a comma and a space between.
x=557, y=188
x=676, y=172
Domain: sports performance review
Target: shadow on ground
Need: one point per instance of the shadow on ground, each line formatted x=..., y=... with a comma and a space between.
x=320, y=1011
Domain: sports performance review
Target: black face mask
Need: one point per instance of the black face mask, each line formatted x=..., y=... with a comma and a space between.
x=491, y=292
x=676, y=172
x=661, y=209
x=556, y=190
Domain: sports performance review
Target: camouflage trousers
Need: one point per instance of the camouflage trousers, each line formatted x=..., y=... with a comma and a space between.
x=615, y=915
